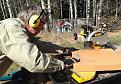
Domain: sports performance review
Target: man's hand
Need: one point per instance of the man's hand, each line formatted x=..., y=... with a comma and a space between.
x=67, y=52
x=69, y=62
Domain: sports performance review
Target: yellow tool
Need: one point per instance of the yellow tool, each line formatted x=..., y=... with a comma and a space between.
x=81, y=77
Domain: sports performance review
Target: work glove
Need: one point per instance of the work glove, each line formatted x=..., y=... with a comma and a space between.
x=71, y=48
x=69, y=62
x=68, y=51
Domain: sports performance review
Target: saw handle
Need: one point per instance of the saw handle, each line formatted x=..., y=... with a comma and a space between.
x=109, y=45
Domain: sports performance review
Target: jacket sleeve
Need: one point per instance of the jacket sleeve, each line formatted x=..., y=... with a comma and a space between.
x=26, y=54
x=47, y=47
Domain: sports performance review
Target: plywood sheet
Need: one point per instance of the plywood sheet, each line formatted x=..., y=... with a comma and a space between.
x=97, y=60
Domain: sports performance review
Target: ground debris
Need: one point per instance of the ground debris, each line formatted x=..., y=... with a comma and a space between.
x=104, y=77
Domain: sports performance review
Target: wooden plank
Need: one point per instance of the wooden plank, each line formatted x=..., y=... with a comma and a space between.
x=97, y=60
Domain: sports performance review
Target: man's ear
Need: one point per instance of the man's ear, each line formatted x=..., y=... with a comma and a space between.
x=27, y=26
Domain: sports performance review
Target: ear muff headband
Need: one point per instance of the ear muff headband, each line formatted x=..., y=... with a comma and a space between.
x=34, y=20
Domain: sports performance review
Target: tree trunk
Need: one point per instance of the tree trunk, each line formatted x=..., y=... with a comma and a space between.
x=1, y=5
x=87, y=11
x=49, y=10
x=61, y=9
x=100, y=12
x=116, y=14
x=71, y=9
x=75, y=8
x=50, y=16
x=107, y=6
x=9, y=8
x=20, y=5
x=46, y=25
x=94, y=12
x=4, y=8
x=15, y=8
x=42, y=3
x=27, y=2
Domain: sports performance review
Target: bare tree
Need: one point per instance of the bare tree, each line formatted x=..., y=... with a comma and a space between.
x=27, y=2
x=1, y=5
x=9, y=8
x=99, y=13
x=42, y=3
x=49, y=10
x=71, y=9
x=61, y=10
x=4, y=7
x=87, y=10
x=43, y=7
x=107, y=6
x=50, y=16
x=116, y=14
x=15, y=9
x=94, y=12
x=75, y=8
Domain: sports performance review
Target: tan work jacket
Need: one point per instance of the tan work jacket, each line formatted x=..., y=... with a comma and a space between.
x=17, y=46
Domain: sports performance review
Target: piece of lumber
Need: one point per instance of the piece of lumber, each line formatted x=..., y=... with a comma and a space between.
x=97, y=60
